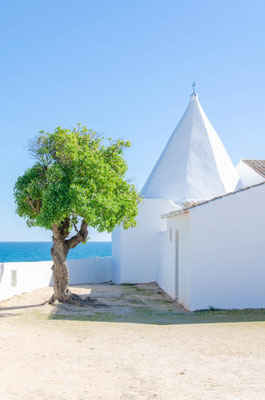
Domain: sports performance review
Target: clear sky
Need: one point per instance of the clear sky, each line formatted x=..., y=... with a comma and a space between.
x=125, y=69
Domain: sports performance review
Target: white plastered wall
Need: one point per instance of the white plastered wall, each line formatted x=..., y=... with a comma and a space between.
x=167, y=270
x=135, y=250
x=227, y=252
x=247, y=175
x=28, y=276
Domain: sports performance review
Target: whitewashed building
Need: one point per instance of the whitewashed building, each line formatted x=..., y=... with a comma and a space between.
x=200, y=227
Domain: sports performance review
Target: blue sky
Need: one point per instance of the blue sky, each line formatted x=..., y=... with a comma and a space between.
x=125, y=69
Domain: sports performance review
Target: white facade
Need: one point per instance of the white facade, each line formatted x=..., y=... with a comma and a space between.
x=194, y=166
x=135, y=251
x=209, y=255
x=173, y=272
x=221, y=259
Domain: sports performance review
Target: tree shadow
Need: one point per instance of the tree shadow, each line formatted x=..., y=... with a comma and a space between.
x=134, y=303
x=5, y=315
x=21, y=307
x=142, y=305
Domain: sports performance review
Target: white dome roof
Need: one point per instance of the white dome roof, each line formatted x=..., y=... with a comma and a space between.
x=194, y=164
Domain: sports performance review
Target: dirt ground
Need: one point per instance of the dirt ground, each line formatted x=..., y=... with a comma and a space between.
x=133, y=343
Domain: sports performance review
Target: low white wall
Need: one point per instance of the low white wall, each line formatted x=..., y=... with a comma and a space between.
x=29, y=276
x=35, y=275
x=90, y=270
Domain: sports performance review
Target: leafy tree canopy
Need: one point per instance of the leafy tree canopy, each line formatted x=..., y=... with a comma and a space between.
x=77, y=176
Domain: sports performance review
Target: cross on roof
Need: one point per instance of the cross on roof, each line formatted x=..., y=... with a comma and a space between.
x=193, y=85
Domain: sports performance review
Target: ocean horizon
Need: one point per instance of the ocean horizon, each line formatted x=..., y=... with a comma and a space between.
x=41, y=251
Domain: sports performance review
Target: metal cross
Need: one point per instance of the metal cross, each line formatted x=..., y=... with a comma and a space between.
x=193, y=85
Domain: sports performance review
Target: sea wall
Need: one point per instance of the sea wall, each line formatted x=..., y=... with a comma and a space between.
x=20, y=277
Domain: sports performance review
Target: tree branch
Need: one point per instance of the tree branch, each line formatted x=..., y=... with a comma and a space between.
x=81, y=236
x=64, y=227
x=34, y=208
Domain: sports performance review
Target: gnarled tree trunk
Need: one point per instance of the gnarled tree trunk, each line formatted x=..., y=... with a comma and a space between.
x=59, y=252
x=60, y=271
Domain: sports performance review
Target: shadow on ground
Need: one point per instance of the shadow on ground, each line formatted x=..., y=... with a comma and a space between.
x=4, y=315
x=24, y=307
x=144, y=304
x=140, y=303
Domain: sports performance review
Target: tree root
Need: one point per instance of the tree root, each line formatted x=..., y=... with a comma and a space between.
x=52, y=299
x=73, y=299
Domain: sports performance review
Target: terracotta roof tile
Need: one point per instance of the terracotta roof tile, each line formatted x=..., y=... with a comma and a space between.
x=257, y=165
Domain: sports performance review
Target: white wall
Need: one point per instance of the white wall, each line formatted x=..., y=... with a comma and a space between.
x=35, y=275
x=90, y=270
x=166, y=275
x=227, y=252
x=248, y=176
x=30, y=276
x=135, y=251
x=116, y=254
x=166, y=264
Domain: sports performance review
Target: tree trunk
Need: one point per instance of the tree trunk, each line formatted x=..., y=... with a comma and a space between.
x=59, y=252
x=60, y=271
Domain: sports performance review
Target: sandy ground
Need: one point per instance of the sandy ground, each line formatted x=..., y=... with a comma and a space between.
x=134, y=343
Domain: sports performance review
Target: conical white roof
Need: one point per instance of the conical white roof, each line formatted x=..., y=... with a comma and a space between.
x=194, y=164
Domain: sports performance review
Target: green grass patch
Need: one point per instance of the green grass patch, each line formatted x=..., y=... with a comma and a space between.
x=148, y=315
x=245, y=311
x=128, y=284
x=97, y=316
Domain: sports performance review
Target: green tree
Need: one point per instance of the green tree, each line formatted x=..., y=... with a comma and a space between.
x=77, y=181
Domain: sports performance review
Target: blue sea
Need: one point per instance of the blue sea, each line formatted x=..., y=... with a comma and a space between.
x=40, y=251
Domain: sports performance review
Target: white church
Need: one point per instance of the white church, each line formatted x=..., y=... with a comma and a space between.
x=200, y=231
